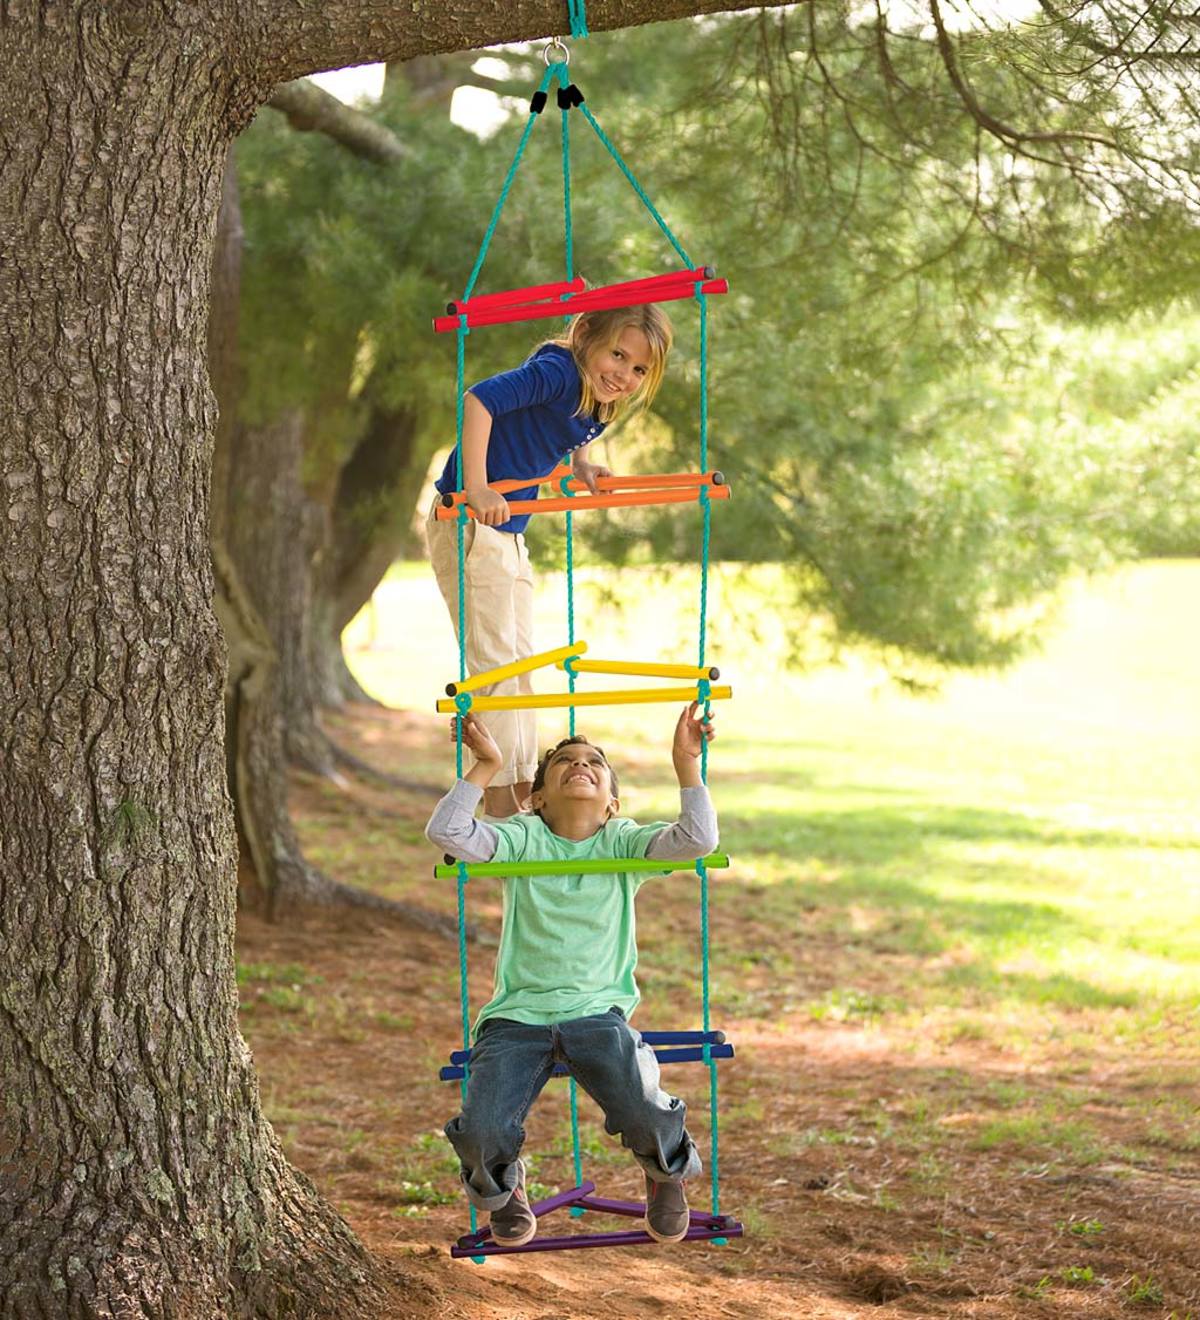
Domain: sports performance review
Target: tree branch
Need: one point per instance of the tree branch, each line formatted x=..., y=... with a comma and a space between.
x=310, y=108
x=292, y=38
x=1012, y=137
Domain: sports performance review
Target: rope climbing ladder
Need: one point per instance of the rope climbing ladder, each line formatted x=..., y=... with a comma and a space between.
x=569, y=297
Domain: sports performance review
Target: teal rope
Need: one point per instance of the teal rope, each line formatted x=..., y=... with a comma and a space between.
x=466, y=1014
x=570, y=258
x=702, y=690
x=508, y=180
x=578, y=12
x=570, y=611
x=576, y=1211
x=637, y=187
x=461, y=526
x=577, y=1156
x=705, y=503
x=702, y=299
x=566, y=166
x=714, y=1143
x=460, y=529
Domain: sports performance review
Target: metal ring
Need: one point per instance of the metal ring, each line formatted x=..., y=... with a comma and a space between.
x=551, y=45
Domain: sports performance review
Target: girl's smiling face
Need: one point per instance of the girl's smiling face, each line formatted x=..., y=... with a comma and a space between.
x=617, y=371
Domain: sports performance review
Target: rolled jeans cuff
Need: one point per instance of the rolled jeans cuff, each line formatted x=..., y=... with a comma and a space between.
x=684, y=1164
x=497, y=1201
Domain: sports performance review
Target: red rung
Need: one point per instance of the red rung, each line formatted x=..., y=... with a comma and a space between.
x=649, y=281
x=593, y=300
x=542, y=292
x=508, y=297
x=578, y=503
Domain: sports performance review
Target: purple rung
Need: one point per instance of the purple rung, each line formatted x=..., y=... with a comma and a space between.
x=572, y=1196
x=636, y=1209
x=704, y=1227
x=577, y=1241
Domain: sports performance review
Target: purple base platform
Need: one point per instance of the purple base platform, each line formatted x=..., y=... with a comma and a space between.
x=703, y=1227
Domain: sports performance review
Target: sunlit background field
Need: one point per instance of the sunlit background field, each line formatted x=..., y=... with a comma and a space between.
x=1022, y=842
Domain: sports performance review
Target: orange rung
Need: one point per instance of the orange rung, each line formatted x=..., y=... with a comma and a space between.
x=509, y=483
x=614, y=500
x=652, y=481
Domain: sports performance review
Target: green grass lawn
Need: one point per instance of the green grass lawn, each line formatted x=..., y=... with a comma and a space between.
x=1027, y=842
x=958, y=950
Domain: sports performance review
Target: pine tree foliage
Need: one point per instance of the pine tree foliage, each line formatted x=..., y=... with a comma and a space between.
x=914, y=206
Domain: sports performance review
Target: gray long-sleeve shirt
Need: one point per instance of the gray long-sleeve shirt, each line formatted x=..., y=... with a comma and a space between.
x=454, y=828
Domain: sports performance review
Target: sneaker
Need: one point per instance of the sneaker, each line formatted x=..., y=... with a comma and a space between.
x=667, y=1217
x=514, y=1223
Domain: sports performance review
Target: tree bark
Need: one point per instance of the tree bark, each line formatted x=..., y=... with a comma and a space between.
x=138, y=1176
x=294, y=39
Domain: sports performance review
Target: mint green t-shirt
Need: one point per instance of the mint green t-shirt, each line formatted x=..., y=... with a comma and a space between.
x=568, y=946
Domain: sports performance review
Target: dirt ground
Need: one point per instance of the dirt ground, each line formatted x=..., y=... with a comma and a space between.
x=848, y=1150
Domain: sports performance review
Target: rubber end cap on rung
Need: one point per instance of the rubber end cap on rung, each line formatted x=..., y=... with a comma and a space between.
x=713, y=674
x=447, y=860
x=452, y=309
x=447, y=501
x=452, y=689
x=710, y=272
x=718, y=479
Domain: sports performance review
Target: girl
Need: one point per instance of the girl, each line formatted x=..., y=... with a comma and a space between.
x=522, y=423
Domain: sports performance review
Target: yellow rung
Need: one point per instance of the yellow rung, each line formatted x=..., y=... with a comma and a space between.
x=648, y=670
x=488, y=676
x=549, y=700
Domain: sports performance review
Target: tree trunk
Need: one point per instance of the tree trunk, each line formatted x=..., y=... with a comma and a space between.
x=138, y=1176
x=370, y=526
x=261, y=601
x=275, y=531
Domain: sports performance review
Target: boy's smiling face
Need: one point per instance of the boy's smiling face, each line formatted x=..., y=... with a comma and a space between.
x=577, y=778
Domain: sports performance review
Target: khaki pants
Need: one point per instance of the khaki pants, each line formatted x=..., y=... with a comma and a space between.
x=499, y=620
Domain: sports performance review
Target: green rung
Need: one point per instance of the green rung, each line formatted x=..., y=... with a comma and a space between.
x=588, y=866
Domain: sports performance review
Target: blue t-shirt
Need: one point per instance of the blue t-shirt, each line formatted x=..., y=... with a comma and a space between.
x=533, y=424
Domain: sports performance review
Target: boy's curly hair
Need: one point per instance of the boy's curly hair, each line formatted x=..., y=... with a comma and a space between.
x=539, y=778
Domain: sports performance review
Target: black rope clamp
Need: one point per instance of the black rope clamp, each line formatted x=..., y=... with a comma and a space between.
x=538, y=103
x=569, y=96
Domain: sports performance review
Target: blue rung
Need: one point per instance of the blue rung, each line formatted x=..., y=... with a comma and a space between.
x=650, y=1037
x=688, y=1054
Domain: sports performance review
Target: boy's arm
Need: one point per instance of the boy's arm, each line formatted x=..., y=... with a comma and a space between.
x=454, y=829
x=695, y=833
x=453, y=826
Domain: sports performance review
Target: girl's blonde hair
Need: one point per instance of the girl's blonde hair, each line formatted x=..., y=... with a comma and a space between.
x=592, y=330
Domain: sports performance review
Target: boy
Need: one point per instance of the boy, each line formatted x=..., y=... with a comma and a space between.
x=564, y=983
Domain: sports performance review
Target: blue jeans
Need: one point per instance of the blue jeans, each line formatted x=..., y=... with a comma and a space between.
x=512, y=1061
